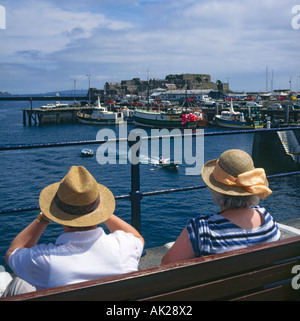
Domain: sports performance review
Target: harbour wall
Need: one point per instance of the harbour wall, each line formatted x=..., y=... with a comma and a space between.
x=268, y=149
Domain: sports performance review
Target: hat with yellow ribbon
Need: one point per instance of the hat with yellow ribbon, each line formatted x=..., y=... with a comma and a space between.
x=234, y=174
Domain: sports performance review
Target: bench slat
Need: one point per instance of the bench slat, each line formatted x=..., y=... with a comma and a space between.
x=223, y=289
x=283, y=292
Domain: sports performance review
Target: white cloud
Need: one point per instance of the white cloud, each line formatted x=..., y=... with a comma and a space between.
x=218, y=37
x=41, y=26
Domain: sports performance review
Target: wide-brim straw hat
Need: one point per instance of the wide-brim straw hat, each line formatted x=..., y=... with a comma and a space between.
x=77, y=200
x=233, y=162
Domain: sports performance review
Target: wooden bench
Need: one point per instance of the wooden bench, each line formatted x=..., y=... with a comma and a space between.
x=262, y=272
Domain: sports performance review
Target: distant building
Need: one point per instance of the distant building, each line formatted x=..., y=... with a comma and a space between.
x=196, y=81
x=93, y=94
x=140, y=87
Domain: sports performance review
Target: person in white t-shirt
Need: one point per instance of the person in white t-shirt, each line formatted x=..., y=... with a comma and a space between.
x=84, y=251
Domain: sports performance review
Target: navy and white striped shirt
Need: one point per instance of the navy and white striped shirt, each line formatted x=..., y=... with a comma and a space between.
x=213, y=234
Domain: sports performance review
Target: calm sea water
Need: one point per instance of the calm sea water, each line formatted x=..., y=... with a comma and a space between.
x=25, y=172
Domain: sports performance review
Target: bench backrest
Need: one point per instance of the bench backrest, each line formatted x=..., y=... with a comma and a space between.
x=262, y=272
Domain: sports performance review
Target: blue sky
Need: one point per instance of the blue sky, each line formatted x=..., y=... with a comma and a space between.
x=47, y=44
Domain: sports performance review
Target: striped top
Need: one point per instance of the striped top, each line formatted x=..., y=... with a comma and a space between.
x=213, y=234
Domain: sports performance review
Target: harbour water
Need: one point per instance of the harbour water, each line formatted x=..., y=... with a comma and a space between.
x=25, y=172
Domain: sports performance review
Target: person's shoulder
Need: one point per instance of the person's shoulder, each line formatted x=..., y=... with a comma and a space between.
x=198, y=221
x=262, y=210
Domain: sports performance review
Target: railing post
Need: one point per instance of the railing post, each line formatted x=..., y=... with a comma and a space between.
x=135, y=194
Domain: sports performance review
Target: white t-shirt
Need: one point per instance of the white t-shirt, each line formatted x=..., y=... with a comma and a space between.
x=77, y=257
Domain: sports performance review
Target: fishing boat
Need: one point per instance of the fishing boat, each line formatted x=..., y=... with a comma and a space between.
x=202, y=119
x=100, y=116
x=235, y=119
x=172, y=118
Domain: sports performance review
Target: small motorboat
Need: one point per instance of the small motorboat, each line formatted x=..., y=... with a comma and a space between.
x=87, y=152
x=167, y=164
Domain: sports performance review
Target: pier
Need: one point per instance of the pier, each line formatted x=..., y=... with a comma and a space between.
x=35, y=116
x=51, y=116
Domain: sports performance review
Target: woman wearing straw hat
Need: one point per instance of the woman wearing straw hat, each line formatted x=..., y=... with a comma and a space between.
x=236, y=187
x=84, y=251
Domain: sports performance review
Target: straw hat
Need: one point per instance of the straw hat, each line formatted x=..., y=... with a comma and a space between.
x=232, y=163
x=78, y=200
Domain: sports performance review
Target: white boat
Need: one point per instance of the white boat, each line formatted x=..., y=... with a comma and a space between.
x=128, y=115
x=165, y=163
x=56, y=105
x=100, y=116
x=168, y=164
x=234, y=119
x=87, y=152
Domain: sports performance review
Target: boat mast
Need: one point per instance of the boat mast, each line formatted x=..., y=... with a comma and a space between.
x=231, y=106
x=74, y=90
x=89, y=76
x=148, y=90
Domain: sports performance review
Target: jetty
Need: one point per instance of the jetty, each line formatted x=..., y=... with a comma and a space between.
x=35, y=116
x=51, y=115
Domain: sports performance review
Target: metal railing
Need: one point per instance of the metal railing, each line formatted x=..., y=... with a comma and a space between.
x=135, y=195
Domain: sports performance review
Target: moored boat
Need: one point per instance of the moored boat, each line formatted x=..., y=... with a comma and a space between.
x=172, y=118
x=128, y=115
x=100, y=116
x=202, y=119
x=235, y=119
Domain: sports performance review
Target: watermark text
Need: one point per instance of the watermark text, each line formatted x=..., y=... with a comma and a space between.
x=187, y=148
x=2, y=17
x=296, y=19
x=296, y=278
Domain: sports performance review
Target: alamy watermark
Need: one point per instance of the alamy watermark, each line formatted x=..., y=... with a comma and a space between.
x=2, y=17
x=187, y=149
x=296, y=19
x=296, y=279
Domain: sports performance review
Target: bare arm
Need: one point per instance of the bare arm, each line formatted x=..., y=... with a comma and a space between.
x=114, y=223
x=181, y=250
x=29, y=236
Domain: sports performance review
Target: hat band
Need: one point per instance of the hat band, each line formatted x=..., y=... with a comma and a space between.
x=76, y=210
x=254, y=181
